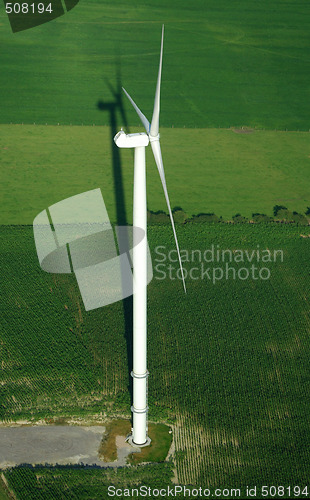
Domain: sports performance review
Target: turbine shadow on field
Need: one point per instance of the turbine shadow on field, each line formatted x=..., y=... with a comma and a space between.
x=115, y=107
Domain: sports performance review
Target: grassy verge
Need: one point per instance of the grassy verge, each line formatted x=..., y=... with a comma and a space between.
x=160, y=435
x=157, y=451
x=108, y=450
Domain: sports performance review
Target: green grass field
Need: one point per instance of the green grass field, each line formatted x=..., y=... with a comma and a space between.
x=207, y=170
x=226, y=64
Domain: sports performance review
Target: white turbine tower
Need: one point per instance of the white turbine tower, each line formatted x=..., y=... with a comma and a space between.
x=139, y=142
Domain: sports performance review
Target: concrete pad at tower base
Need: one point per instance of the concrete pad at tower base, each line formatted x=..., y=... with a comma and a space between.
x=138, y=446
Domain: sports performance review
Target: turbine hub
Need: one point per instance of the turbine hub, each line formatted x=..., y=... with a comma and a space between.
x=154, y=138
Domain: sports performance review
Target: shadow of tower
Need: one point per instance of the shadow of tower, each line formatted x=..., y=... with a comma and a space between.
x=115, y=107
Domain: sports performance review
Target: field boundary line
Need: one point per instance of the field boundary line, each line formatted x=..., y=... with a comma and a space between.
x=7, y=489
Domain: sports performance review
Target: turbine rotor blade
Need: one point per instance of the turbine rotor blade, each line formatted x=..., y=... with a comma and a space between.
x=155, y=118
x=159, y=162
x=143, y=118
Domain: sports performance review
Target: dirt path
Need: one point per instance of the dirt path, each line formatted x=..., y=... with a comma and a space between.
x=59, y=444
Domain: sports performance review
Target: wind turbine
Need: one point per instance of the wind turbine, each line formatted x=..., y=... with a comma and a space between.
x=139, y=142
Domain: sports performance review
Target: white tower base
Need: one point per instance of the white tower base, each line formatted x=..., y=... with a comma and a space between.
x=134, y=445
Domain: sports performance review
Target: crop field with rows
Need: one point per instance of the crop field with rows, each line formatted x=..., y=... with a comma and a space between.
x=230, y=372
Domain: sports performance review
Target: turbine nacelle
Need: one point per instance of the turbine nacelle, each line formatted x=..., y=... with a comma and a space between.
x=123, y=140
